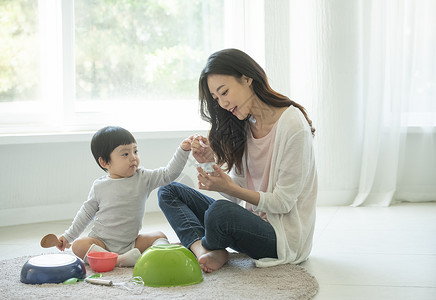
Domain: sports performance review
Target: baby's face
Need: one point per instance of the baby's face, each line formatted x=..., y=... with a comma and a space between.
x=124, y=161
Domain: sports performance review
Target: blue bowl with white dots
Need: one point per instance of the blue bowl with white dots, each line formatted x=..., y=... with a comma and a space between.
x=52, y=268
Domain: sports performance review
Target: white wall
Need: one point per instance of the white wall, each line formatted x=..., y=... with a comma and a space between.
x=417, y=174
x=47, y=180
x=44, y=181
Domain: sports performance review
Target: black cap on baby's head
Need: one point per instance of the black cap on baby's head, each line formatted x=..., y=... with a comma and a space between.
x=107, y=139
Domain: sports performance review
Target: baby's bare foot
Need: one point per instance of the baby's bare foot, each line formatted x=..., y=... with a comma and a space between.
x=213, y=260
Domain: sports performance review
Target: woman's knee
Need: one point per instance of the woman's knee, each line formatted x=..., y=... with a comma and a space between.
x=170, y=188
x=164, y=190
x=165, y=193
x=170, y=192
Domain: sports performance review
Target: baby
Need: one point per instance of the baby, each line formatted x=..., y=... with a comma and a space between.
x=116, y=202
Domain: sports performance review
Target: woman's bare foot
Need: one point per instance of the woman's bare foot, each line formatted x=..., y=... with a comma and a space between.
x=209, y=260
x=213, y=260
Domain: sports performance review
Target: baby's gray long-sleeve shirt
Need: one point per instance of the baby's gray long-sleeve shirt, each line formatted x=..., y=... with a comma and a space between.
x=117, y=206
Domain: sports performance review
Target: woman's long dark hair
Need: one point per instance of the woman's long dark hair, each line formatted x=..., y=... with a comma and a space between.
x=228, y=134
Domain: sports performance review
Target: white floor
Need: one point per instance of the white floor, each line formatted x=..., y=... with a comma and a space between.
x=358, y=253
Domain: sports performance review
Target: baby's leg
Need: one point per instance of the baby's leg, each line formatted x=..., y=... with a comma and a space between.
x=145, y=240
x=142, y=242
x=80, y=246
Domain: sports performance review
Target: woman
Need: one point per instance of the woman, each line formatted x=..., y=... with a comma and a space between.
x=273, y=190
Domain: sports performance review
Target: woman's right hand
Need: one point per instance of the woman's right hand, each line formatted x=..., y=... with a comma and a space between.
x=201, y=150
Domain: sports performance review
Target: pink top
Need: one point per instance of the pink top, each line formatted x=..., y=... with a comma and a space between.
x=259, y=154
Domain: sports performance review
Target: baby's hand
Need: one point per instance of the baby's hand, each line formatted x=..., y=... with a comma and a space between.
x=65, y=243
x=186, y=143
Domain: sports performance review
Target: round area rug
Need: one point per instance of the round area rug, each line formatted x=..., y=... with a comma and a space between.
x=238, y=279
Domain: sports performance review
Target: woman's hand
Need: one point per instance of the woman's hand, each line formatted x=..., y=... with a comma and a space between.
x=217, y=181
x=201, y=149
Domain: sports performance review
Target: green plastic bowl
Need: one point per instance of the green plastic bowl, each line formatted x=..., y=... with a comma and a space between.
x=168, y=265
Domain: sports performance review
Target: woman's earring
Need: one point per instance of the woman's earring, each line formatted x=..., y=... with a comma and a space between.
x=250, y=119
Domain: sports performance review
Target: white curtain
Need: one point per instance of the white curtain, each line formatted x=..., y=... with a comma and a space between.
x=399, y=97
x=366, y=72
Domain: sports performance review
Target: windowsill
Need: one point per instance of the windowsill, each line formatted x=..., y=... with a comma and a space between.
x=421, y=129
x=85, y=136
x=69, y=137
x=147, y=120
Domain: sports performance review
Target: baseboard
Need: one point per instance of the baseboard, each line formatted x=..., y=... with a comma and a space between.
x=336, y=198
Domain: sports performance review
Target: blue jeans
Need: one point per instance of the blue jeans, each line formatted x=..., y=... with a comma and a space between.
x=219, y=224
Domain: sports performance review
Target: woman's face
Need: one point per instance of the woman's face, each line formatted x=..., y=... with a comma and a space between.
x=233, y=94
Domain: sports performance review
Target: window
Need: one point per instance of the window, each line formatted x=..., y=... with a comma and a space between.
x=19, y=64
x=421, y=33
x=20, y=84
x=79, y=65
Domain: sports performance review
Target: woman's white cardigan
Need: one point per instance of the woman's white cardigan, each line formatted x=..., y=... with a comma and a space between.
x=292, y=190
